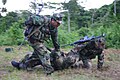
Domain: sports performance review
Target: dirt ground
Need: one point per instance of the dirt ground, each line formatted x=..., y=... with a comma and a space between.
x=112, y=60
x=110, y=71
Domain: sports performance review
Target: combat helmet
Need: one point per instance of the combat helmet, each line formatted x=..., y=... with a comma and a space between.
x=57, y=17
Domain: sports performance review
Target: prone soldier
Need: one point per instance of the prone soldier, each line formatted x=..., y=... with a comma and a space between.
x=84, y=52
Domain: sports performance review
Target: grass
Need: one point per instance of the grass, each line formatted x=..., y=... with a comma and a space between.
x=7, y=72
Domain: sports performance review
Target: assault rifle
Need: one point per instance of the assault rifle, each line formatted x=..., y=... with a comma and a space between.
x=85, y=39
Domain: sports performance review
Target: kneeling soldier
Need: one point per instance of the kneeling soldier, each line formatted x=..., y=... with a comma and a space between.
x=39, y=29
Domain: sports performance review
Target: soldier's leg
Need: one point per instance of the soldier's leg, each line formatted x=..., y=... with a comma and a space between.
x=100, y=60
x=29, y=61
x=39, y=56
x=21, y=63
x=45, y=61
x=43, y=55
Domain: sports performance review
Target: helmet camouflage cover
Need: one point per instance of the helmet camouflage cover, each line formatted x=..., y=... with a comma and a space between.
x=58, y=17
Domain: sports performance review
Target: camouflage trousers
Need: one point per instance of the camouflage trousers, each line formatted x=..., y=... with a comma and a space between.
x=40, y=56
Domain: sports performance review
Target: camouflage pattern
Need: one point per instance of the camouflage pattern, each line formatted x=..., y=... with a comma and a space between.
x=91, y=50
x=57, y=60
x=40, y=56
x=83, y=52
x=38, y=30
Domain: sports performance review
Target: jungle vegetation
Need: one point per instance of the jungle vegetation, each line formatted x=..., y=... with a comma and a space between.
x=93, y=22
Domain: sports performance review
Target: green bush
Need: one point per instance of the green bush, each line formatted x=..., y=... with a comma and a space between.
x=112, y=34
x=16, y=34
x=113, y=38
x=65, y=37
x=13, y=36
x=4, y=40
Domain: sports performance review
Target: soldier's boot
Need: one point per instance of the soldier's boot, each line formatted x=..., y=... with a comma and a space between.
x=18, y=65
x=15, y=64
x=29, y=64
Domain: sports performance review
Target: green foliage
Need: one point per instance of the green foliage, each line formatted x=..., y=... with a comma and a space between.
x=112, y=34
x=67, y=38
x=6, y=21
x=25, y=14
x=13, y=36
x=83, y=31
x=77, y=14
x=117, y=9
x=4, y=39
x=80, y=24
x=16, y=33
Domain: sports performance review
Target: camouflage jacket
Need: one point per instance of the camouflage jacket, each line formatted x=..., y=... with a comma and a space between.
x=92, y=49
x=40, y=29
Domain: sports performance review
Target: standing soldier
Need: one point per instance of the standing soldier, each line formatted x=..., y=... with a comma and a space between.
x=39, y=29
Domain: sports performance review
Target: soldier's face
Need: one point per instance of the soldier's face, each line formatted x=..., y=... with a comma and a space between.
x=55, y=23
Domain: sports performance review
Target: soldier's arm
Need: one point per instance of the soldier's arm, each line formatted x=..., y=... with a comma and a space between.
x=54, y=37
x=100, y=60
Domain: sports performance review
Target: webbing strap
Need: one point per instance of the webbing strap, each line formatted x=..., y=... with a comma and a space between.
x=35, y=31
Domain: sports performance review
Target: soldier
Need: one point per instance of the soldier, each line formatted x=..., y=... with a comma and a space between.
x=85, y=52
x=40, y=28
x=90, y=50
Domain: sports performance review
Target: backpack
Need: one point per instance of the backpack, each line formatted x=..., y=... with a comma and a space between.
x=35, y=23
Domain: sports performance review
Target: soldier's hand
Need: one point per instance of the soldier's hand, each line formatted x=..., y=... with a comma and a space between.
x=57, y=53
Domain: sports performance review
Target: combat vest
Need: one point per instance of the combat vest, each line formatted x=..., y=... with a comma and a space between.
x=37, y=28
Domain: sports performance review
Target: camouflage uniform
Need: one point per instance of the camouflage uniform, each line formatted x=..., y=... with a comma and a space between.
x=91, y=50
x=39, y=29
x=84, y=52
